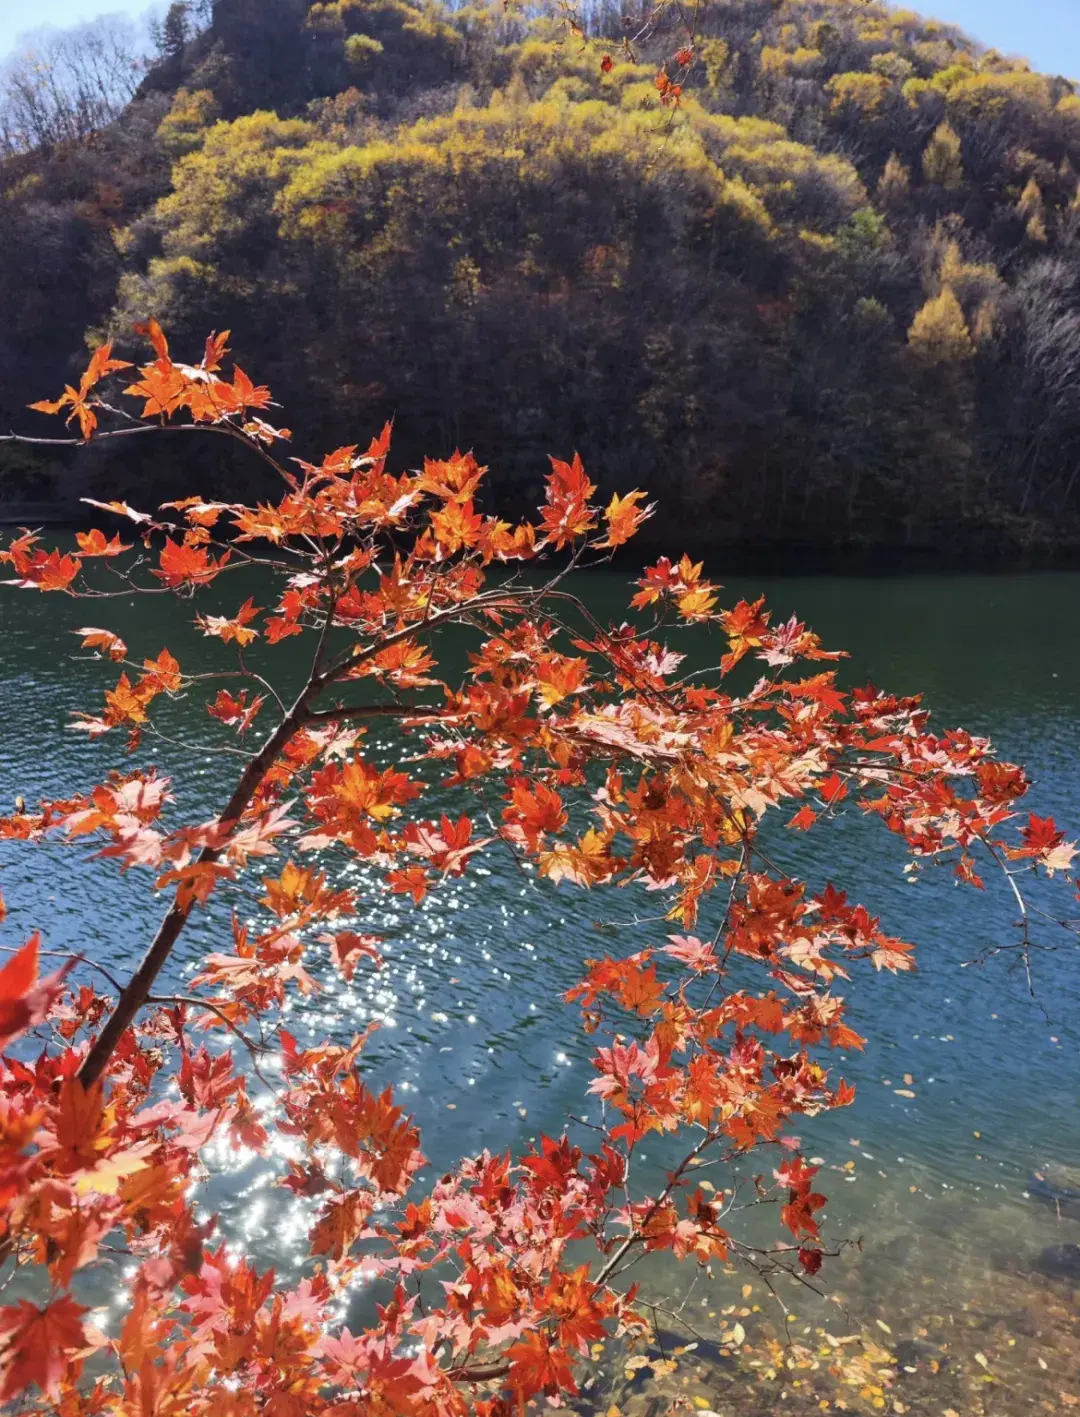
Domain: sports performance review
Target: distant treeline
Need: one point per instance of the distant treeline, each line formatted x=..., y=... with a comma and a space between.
x=826, y=295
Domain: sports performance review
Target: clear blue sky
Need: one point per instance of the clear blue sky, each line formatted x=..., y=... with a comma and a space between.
x=1045, y=31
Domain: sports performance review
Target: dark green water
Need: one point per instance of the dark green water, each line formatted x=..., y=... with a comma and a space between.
x=475, y=1036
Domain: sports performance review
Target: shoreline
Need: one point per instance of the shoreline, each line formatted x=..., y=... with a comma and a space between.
x=748, y=556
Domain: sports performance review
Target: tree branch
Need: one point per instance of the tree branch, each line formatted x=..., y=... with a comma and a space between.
x=334, y=715
x=134, y=995
x=226, y=430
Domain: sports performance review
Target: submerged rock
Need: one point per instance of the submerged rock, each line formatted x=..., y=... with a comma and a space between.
x=1058, y=1186
x=911, y=1352
x=1060, y=1262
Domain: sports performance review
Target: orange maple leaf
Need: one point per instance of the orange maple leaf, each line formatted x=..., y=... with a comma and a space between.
x=162, y=386
x=120, y=508
x=126, y=703
x=539, y=1365
x=234, y=710
x=745, y=625
x=182, y=564
x=341, y=1224
x=456, y=525
x=347, y=948
x=820, y=689
x=101, y=364
x=215, y=350
x=624, y=516
x=38, y=570
x=195, y=883
x=104, y=640
x=535, y=810
x=235, y=630
x=93, y=543
x=246, y=394
x=833, y=789
x=566, y=515
x=152, y=331
x=40, y=1345
x=162, y=674
x=572, y=1300
x=81, y=1127
x=411, y=880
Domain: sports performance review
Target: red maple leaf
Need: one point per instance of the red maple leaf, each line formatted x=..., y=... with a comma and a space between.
x=40, y=1345
x=182, y=564
x=24, y=999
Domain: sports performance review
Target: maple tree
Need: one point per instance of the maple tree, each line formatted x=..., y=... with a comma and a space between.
x=612, y=766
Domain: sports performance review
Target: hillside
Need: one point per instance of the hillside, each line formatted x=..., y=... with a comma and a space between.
x=825, y=295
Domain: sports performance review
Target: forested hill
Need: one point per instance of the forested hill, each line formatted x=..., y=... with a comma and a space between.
x=810, y=271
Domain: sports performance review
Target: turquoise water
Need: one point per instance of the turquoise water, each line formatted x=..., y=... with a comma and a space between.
x=476, y=1038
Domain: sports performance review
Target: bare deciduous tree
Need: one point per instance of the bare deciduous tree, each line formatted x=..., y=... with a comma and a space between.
x=63, y=85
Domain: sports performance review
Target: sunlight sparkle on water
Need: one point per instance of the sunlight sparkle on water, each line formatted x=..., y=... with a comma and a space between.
x=468, y=1032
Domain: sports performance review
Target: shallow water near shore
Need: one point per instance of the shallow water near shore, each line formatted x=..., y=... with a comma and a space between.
x=967, y=1086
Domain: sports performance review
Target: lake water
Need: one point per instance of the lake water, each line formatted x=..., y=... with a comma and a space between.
x=479, y=1045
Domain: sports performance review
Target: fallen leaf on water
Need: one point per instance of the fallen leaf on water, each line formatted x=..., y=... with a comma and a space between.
x=903, y=1092
x=980, y=1358
x=883, y=1326
x=908, y=1079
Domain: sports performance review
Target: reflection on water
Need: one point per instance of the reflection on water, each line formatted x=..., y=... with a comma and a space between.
x=967, y=1085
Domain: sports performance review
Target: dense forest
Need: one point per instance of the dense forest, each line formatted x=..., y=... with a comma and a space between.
x=808, y=268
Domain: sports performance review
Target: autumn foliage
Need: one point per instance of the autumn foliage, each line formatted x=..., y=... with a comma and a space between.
x=595, y=757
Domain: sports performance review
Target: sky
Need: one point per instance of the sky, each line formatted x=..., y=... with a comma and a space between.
x=1047, y=32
